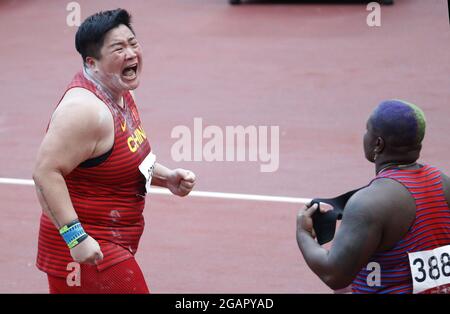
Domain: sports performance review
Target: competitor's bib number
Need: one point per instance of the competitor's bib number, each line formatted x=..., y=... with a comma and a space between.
x=146, y=168
x=430, y=269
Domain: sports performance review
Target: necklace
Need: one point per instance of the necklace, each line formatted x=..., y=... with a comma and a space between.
x=400, y=166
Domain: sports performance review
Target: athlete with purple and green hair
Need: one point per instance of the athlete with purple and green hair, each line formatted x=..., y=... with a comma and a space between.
x=395, y=232
x=401, y=125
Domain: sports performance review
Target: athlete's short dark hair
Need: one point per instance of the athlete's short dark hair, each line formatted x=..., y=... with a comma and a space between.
x=91, y=33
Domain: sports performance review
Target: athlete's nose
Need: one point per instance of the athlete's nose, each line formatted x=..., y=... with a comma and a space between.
x=130, y=53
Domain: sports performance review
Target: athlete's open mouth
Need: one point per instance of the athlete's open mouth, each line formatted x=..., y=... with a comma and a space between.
x=130, y=71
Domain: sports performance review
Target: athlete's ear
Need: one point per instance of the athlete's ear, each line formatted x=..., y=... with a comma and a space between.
x=379, y=145
x=91, y=64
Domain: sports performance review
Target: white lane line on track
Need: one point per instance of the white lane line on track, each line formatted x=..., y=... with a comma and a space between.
x=161, y=191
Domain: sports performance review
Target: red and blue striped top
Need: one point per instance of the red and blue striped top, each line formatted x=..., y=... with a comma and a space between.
x=429, y=230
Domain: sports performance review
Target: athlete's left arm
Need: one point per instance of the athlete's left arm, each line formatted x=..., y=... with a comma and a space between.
x=179, y=181
x=356, y=240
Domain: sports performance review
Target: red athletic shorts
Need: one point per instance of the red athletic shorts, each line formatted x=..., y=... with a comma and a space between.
x=124, y=277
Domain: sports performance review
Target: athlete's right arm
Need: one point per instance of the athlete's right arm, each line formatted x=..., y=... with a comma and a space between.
x=73, y=136
x=371, y=223
x=446, y=185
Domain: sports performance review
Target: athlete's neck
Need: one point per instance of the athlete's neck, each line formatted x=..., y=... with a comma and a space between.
x=112, y=94
x=379, y=168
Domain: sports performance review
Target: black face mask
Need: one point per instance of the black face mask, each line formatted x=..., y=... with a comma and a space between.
x=324, y=224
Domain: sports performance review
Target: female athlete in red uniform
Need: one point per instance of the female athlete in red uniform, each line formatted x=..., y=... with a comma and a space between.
x=95, y=166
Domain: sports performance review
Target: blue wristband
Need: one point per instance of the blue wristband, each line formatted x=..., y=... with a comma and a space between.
x=73, y=233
